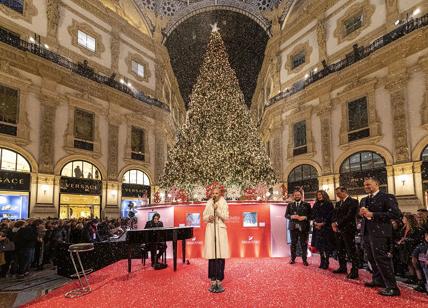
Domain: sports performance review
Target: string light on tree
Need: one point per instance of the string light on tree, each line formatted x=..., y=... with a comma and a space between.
x=219, y=141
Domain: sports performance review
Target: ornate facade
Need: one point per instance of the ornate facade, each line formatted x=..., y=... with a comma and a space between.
x=78, y=104
x=390, y=85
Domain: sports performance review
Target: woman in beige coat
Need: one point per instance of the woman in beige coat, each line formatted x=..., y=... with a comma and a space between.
x=216, y=257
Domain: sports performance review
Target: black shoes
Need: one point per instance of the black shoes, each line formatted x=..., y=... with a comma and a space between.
x=340, y=270
x=305, y=263
x=389, y=292
x=353, y=274
x=420, y=287
x=216, y=288
x=373, y=284
x=325, y=265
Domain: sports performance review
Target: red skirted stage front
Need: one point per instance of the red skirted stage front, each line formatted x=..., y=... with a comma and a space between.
x=263, y=282
x=255, y=229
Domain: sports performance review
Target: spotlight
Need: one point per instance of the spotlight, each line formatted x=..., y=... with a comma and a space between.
x=122, y=81
x=397, y=22
x=129, y=84
x=46, y=46
x=316, y=70
x=416, y=12
x=306, y=76
x=32, y=39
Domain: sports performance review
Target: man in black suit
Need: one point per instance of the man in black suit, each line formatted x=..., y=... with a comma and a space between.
x=344, y=227
x=156, y=249
x=377, y=211
x=299, y=214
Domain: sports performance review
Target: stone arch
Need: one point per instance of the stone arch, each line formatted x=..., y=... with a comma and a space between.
x=135, y=167
x=191, y=11
x=65, y=160
x=419, y=148
x=363, y=148
x=299, y=162
x=287, y=13
x=27, y=155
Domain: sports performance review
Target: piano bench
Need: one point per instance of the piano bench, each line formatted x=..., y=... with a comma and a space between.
x=145, y=254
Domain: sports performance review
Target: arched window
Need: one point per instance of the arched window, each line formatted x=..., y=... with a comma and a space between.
x=81, y=170
x=424, y=159
x=13, y=161
x=359, y=166
x=305, y=176
x=136, y=177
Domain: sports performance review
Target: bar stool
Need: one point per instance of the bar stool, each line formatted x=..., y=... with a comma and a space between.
x=84, y=288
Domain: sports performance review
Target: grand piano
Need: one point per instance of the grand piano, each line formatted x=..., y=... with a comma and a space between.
x=159, y=235
x=126, y=246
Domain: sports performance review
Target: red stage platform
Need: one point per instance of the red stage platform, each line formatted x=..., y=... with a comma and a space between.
x=263, y=282
x=255, y=229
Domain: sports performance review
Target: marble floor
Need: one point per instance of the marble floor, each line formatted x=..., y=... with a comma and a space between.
x=16, y=292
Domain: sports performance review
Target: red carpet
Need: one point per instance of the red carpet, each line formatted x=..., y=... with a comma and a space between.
x=269, y=282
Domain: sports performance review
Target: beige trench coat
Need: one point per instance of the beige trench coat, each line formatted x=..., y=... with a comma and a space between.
x=222, y=241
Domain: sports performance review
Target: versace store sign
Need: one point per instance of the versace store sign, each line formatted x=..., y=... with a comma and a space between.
x=15, y=181
x=80, y=186
x=135, y=190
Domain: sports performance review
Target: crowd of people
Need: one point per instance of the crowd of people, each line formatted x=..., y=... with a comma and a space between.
x=32, y=243
x=371, y=232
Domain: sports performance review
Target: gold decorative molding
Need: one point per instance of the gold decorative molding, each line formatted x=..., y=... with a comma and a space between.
x=53, y=16
x=363, y=8
x=392, y=12
x=302, y=47
x=140, y=60
x=115, y=50
x=12, y=78
x=29, y=11
x=84, y=27
x=322, y=39
x=87, y=103
x=298, y=116
x=397, y=82
x=357, y=89
x=324, y=114
x=424, y=107
x=48, y=106
x=140, y=121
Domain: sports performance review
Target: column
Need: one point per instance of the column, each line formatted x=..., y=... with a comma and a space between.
x=397, y=86
x=160, y=154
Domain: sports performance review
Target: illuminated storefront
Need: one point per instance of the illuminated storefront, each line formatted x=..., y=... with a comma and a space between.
x=135, y=191
x=15, y=181
x=80, y=190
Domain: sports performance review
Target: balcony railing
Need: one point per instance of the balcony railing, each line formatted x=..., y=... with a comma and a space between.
x=358, y=54
x=80, y=68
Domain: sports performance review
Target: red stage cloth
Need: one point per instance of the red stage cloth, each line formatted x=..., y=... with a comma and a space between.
x=265, y=282
x=244, y=242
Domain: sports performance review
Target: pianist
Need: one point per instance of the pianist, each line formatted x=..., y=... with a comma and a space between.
x=156, y=249
x=216, y=248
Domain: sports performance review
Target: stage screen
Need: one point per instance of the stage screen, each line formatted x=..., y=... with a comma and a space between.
x=249, y=219
x=193, y=220
x=13, y=206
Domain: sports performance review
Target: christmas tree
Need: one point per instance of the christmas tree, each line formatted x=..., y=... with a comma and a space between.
x=219, y=141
